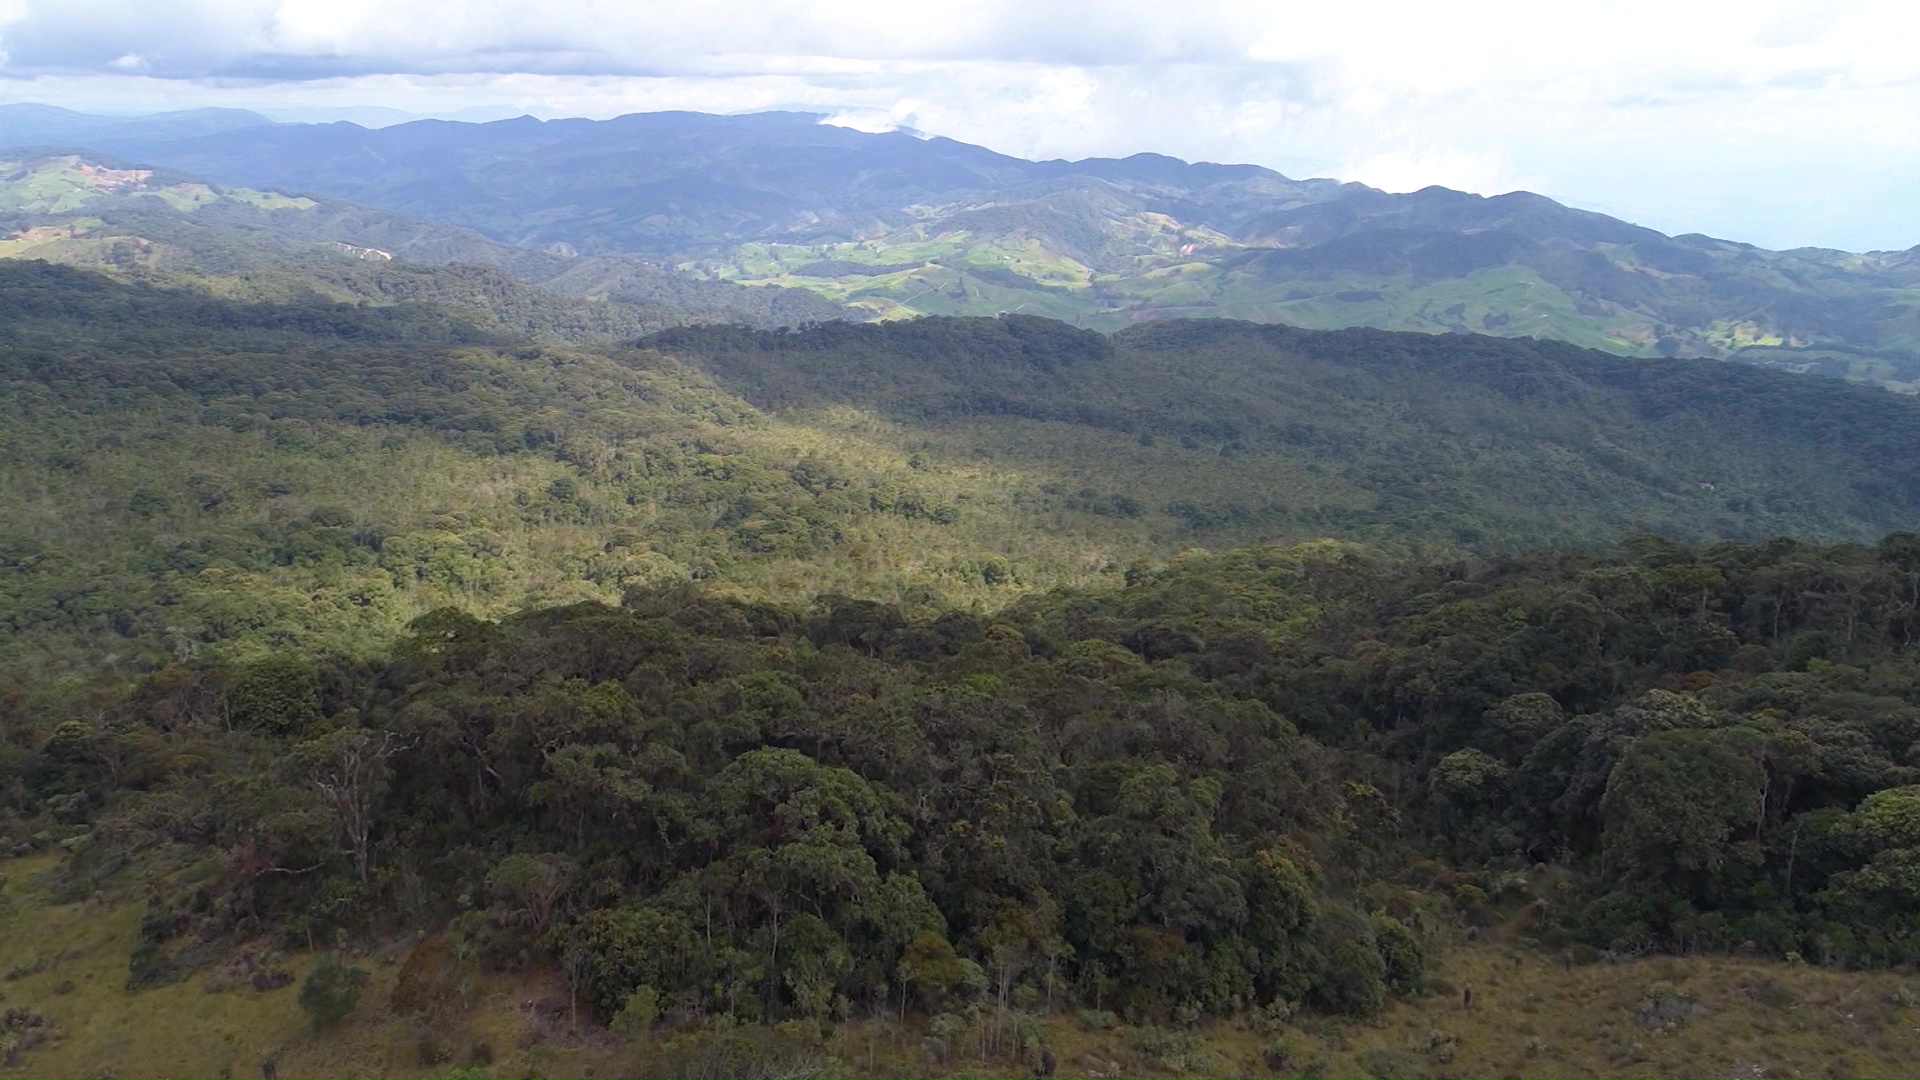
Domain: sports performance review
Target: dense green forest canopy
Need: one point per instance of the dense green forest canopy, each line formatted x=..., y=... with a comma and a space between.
x=1457, y=438
x=1267, y=776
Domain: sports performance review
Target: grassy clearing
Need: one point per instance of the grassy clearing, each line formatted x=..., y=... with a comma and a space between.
x=1507, y=301
x=1532, y=1016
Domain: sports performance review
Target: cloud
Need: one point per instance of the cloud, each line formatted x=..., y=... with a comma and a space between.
x=1418, y=47
x=1654, y=107
x=1483, y=173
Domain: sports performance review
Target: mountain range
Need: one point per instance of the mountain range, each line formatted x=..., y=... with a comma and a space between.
x=102, y=213
x=895, y=224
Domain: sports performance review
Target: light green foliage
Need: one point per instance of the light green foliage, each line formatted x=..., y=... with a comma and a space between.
x=936, y=974
x=1891, y=819
x=1469, y=777
x=612, y=953
x=638, y=1015
x=320, y=475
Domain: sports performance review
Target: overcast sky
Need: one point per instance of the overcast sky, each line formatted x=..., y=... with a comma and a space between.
x=1779, y=123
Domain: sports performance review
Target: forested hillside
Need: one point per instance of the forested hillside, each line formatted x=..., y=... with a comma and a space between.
x=1227, y=429
x=748, y=684
x=1272, y=783
x=245, y=474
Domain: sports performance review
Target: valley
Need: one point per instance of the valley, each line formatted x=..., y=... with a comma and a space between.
x=694, y=595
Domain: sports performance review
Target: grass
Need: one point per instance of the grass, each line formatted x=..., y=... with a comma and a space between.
x=77, y=958
x=1531, y=1015
x=1510, y=301
x=58, y=185
x=1157, y=281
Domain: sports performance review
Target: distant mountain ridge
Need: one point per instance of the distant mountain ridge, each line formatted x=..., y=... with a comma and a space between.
x=104, y=213
x=899, y=224
x=28, y=123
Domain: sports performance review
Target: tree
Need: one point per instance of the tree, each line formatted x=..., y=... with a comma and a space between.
x=1886, y=831
x=277, y=695
x=534, y=884
x=349, y=768
x=1352, y=977
x=638, y=1015
x=815, y=961
x=611, y=952
x=1677, y=798
x=930, y=967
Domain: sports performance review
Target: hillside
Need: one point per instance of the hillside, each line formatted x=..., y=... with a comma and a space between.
x=1234, y=431
x=931, y=695
x=105, y=214
x=28, y=124
x=899, y=225
x=249, y=473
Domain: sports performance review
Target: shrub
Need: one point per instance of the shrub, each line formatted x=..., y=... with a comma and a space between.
x=1400, y=952
x=1097, y=1019
x=331, y=991
x=637, y=1016
x=1294, y=1054
x=726, y=1050
x=1665, y=1007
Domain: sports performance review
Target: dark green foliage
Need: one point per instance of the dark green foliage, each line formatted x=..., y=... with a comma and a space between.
x=197, y=474
x=1401, y=953
x=777, y=813
x=331, y=990
x=1457, y=440
x=1353, y=975
x=279, y=695
x=614, y=952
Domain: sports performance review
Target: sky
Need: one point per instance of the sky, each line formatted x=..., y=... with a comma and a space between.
x=1776, y=122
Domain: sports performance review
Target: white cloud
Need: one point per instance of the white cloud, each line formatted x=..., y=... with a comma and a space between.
x=1487, y=173
x=1768, y=120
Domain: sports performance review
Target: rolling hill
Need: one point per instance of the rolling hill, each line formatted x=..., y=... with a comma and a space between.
x=316, y=471
x=92, y=211
x=899, y=224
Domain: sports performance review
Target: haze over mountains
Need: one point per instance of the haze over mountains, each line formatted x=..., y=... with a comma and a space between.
x=893, y=224
x=103, y=213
